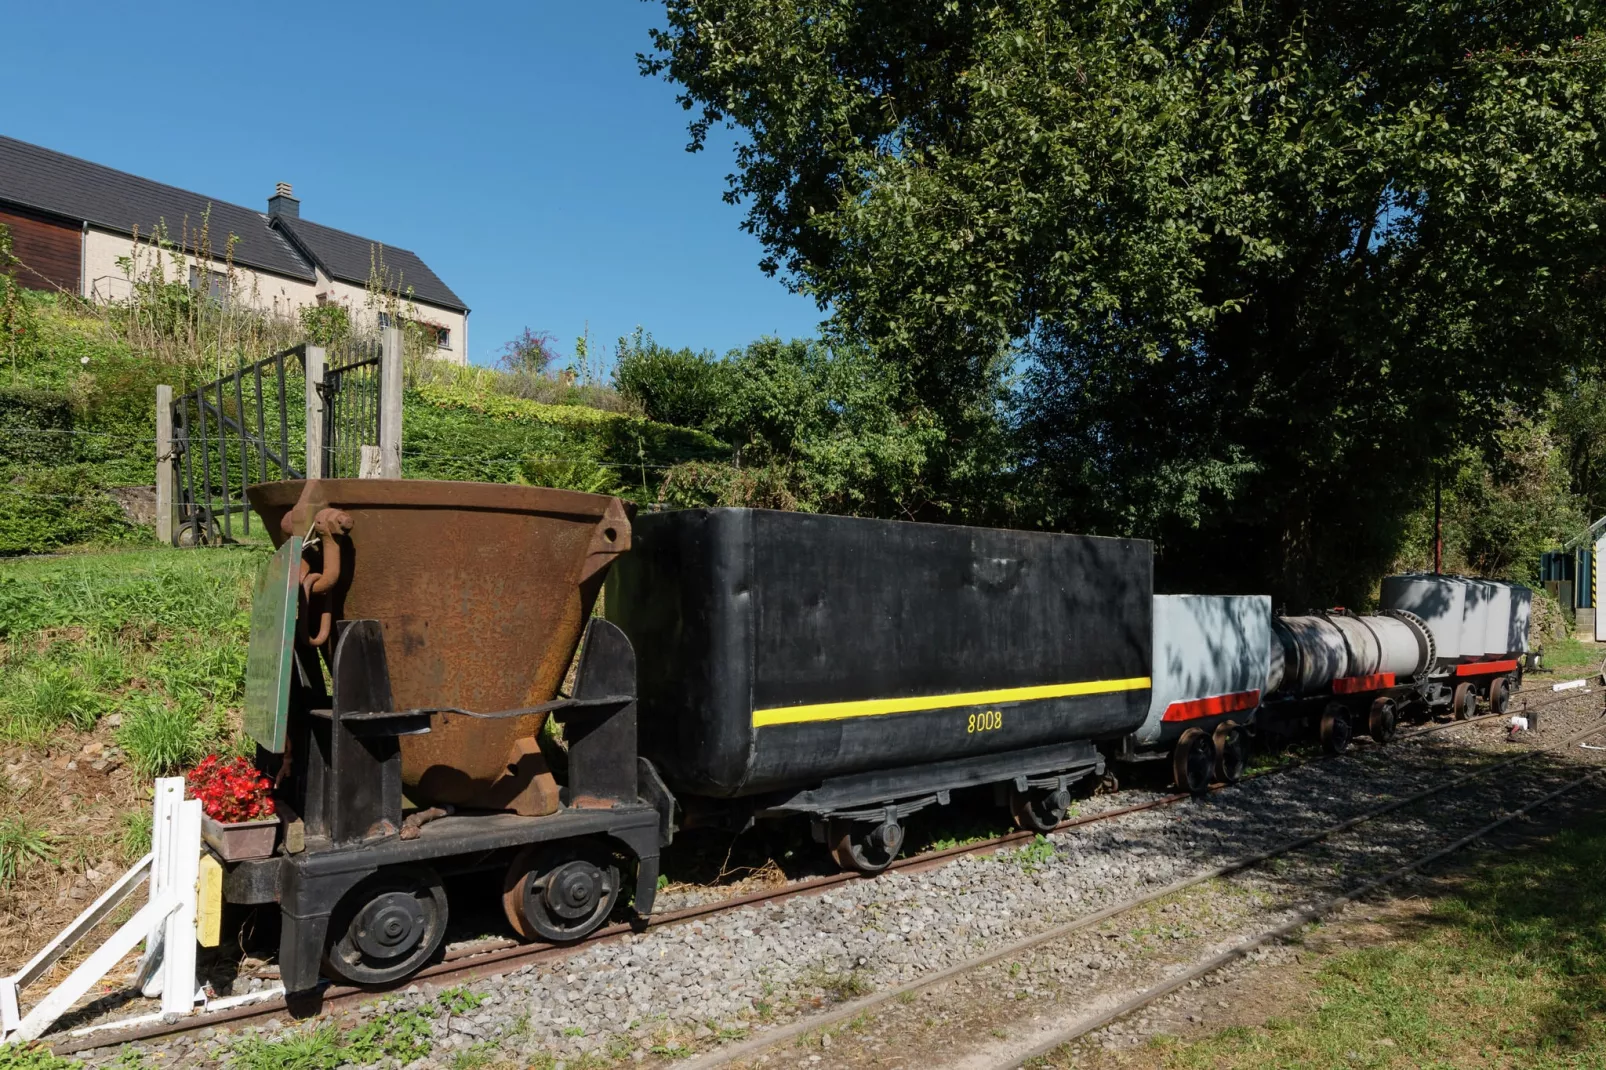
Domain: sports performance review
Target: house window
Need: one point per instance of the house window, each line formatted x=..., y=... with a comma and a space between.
x=384, y=320
x=215, y=284
x=443, y=338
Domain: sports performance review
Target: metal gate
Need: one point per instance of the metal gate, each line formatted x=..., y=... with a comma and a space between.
x=350, y=408
x=251, y=427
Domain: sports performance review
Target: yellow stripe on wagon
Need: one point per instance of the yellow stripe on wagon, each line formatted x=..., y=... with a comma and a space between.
x=877, y=707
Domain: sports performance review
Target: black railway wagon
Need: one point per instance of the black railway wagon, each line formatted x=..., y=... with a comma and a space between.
x=857, y=670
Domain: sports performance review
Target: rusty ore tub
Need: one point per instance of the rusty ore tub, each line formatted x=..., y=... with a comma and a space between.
x=482, y=589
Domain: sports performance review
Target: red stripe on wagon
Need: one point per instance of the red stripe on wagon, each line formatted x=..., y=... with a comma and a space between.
x=1478, y=668
x=1349, y=685
x=1210, y=707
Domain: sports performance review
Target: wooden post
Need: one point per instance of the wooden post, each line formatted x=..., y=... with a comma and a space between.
x=369, y=465
x=316, y=362
x=390, y=404
x=164, y=465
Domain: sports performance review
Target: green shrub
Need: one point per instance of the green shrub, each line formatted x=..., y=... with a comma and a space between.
x=583, y=475
x=673, y=386
x=163, y=737
x=35, y=425
x=45, y=508
x=453, y=432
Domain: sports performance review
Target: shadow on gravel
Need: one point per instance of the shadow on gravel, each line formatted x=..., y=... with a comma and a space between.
x=1507, y=967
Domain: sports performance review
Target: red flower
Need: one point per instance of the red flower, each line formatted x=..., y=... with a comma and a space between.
x=230, y=791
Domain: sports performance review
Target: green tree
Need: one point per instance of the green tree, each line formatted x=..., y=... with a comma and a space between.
x=812, y=426
x=1244, y=272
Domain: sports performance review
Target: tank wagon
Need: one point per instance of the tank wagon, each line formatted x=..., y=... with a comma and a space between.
x=1210, y=663
x=1225, y=666
x=856, y=671
x=413, y=641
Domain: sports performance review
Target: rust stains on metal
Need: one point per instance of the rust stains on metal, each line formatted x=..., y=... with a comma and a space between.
x=482, y=590
x=325, y=526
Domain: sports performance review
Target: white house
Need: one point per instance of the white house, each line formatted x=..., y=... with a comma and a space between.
x=87, y=229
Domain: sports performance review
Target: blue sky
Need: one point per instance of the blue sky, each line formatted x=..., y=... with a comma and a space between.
x=513, y=146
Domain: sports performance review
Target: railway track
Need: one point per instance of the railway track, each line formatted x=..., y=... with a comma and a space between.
x=849, y=1011
x=489, y=958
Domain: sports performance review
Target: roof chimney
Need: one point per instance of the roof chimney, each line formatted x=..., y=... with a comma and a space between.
x=282, y=203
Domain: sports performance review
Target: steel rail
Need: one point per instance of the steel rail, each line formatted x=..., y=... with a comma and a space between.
x=848, y=1011
x=1301, y=919
x=487, y=958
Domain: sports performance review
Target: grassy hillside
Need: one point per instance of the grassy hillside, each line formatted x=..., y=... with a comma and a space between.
x=115, y=667
x=77, y=416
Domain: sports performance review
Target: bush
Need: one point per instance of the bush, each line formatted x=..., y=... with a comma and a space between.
x=672, y=386
x=454, y=432
x=34, y=425
x=45, y=508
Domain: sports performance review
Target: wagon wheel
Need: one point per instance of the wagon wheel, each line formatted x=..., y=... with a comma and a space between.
x=1039, y=809
x=1232, y=752
x=560, y=892
x=1463, y=701
x=1499, y=695
x=1383, y=720
x=388, y=926
x=861, y=846
x=1193, y=760
x=1335, y=729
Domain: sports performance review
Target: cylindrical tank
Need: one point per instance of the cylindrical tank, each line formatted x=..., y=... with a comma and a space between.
x=1309, y=653
x=1441, y=602
x=482, y=590
x=1312, y=654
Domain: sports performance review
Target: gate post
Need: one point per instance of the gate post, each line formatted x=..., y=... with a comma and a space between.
x=314, y=363
x=164, y=465
x=390, y=404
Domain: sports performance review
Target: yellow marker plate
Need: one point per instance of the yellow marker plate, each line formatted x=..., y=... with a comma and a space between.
x=209, y=902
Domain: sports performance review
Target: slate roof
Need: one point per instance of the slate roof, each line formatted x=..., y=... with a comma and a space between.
x=351, y=258
x=62, y=185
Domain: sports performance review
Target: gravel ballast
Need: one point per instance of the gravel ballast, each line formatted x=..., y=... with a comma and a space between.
x=655, y=996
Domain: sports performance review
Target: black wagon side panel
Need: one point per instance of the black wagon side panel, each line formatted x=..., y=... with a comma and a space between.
x=686, y=593
x=781, y=649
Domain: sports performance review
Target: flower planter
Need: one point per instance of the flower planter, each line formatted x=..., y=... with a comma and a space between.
x=235, y=841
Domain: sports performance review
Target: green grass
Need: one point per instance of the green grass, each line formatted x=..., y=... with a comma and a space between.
x=1571, y=657
x=21, y=845
x=156, y=636
x=134, y=834
x=1509, y=971
x=459, y=1000
x=405, y=1037
x=165, y=735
